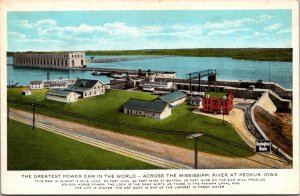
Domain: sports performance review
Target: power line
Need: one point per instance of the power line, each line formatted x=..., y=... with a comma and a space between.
x=237, y=154
x=144, y=128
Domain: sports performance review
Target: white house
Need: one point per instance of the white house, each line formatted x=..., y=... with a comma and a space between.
x=62, y=95
x=87, y=88
x=26, y=92
x=36, y=85
x=195, y=101
x=152, y=109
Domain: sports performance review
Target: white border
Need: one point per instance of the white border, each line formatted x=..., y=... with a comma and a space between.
x=289, y=178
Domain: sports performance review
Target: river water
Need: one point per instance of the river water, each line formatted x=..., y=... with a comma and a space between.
x=227, y=69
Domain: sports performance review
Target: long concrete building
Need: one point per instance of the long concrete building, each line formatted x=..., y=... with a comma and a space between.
x=50, y=59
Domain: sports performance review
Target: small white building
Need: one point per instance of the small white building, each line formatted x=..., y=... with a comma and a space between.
x=152, y=109
x=34, y=85
x=87, y=88
x=26, y=92
x=195, y=101
x=174, y=98
x=62, y=96
x=155, y=85
x=59, y=84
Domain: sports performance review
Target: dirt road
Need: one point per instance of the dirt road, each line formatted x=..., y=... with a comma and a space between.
x=164, y=151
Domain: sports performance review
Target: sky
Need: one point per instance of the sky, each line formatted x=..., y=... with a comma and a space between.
x=130, y=30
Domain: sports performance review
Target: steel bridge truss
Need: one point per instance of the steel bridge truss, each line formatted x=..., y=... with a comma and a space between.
x=198, y=75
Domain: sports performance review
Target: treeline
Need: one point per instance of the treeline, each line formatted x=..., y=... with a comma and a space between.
x=259, y=54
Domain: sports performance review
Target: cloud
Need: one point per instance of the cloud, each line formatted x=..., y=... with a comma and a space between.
x=284, y=31
x=259, y=34
x=39, y=24
x=121, y=30
x=26, y=24
x=45, y=23
x=273, y=27
x=17, y=35
x=226, y=24
x=226, y=32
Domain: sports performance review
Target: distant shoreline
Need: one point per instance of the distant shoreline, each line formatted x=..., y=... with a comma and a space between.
x=256, y=54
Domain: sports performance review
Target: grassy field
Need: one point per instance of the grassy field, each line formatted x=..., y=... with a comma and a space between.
x=43, y=150
x=108, y=107
x=259, y=54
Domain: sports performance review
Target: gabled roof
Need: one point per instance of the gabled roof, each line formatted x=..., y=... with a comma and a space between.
x=82, y=85
x=174, y=96
x=196, y=98
x=61, y=93
x=36, y=82
x=151, y=106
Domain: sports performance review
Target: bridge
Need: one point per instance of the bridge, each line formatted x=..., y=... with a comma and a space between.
x=210, y=73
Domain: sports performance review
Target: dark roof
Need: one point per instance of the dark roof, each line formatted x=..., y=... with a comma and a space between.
x=196, y=98
x=169, y=98
x=61, y=93
x=82, y=85
x=36, y=82
x=151, y=106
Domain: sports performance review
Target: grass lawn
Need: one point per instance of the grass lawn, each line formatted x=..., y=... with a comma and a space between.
x=108, y=107
x=43, y=150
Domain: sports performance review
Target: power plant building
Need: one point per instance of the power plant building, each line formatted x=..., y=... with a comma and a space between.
x=59, y=60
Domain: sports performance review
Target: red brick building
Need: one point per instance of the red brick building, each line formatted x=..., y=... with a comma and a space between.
x=215, y=103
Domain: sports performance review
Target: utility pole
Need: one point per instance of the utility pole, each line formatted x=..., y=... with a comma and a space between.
x=269, y=73
x=7, y=114
x=195, y=136
x=196, y=153
x=33, y=116
x=222, y=111
x=190, y=82
x=199, y=82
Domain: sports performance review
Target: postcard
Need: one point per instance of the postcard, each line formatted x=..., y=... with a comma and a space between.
x=149, y=97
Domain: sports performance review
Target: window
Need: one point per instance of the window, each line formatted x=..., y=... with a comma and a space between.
x=94, y=92
x=90, y=93
x=84, y=94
